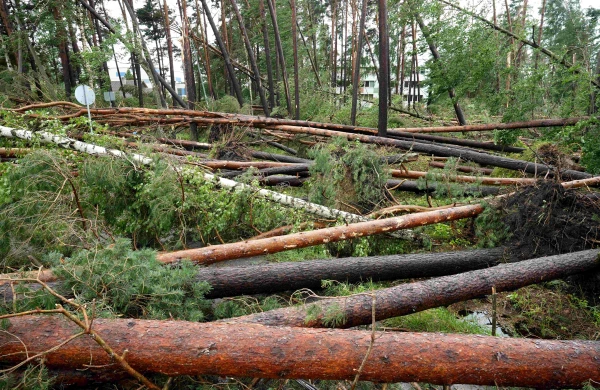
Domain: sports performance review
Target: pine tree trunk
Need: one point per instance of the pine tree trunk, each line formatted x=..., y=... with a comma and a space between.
x=188, y=66
x=434, y=52
x=296, y=70
x=167, y=24
x=357, y=60
x=251, y=58
x=280, y=55
x=231, y=73
x=355, y=310
x=384, y=69
x=267, y=47
x=173, y=348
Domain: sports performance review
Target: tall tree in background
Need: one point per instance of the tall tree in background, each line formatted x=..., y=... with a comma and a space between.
x=296, y=70
x=230, y=72
x=357, y=60
x=188, y=66
x=251, y=58
x=384, y=69
x=281, y=56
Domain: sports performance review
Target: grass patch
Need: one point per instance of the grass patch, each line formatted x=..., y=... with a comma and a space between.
x=435, y=320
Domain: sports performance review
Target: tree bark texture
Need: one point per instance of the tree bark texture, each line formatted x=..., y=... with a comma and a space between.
x=184, y=348
x=357, y=59
x=271, y=278
x=432, y=186
x=465, y=179
x=280, y=55
x=216, y=253
x=413, y=297
x=384, y=69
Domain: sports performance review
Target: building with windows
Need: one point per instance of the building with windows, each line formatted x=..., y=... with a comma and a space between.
x=412, y=88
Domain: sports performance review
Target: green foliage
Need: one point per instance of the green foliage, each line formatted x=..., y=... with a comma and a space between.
x=346, y=172
x=39, y=211
x=33, y=378
x=133, y=283
x=236, y=307
x=490, y=231
x=436, y=320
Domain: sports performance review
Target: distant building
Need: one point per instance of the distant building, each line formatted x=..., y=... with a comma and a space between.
x=412, y=91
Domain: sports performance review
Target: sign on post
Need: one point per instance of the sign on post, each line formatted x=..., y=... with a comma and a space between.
x=85, y=95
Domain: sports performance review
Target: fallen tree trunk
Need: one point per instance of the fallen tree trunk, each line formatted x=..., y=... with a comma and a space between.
x=498, y=181
x=409, y=298
x=413, y=186
x=463, y=168
x=456, y=141
x=272, y=278
x=495, y=126
x=444, y=151
x=185, y=348
x=236, y=250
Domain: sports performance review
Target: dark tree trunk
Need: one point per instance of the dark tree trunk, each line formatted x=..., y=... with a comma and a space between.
x=265, y=32
x=444, y=151
x=251, y=58
x=295, y=50
x=334, y=45
x=155, y=76
x=357, y=60
x=384, y=69
x=231, y=73
x=167, y=24
x=63, y=51
x=175, y=348
x=271, y=278
x=280, y=56
x=413, y=297
x=430, y=188
x=188, y=66
x=313, y=62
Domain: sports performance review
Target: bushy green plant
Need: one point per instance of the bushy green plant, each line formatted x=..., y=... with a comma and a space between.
x=347, y=172
x=133, y=283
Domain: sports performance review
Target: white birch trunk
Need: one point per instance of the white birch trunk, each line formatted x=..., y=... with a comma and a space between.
x=296, y=203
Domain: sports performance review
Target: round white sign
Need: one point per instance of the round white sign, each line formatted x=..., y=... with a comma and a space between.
x=85, y=95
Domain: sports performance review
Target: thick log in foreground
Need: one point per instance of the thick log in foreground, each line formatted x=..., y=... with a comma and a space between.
x=237, y=250
x=271, y=278
x=184, y=348
x=413, y=297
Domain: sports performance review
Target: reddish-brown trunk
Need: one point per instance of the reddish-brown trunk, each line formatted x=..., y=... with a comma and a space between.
x=183, y=348
x=216, y=253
